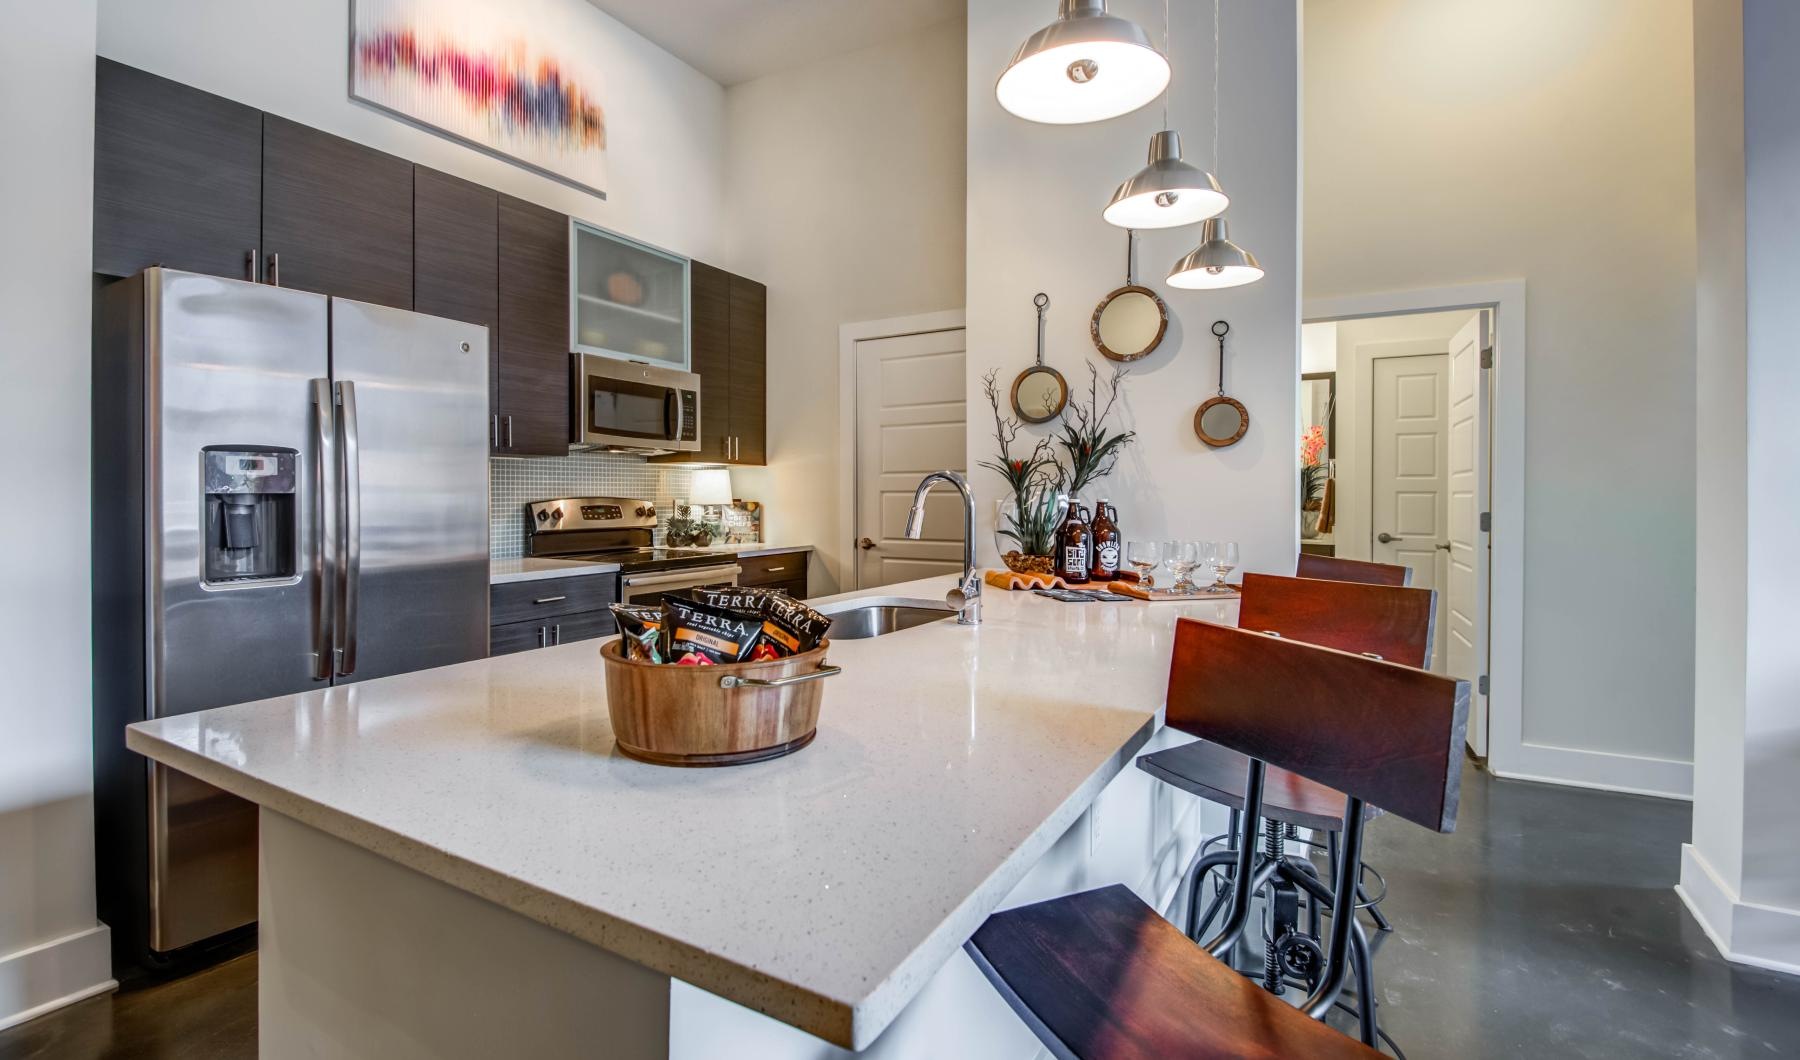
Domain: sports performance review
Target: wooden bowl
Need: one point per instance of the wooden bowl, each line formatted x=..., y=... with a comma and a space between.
x=713, y=715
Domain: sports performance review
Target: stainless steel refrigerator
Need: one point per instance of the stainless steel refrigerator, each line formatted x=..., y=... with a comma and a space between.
x=290, y=492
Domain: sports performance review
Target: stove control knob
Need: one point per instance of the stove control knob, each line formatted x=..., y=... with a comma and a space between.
x=649, y=509
x=557, y=515
x=640, y=510
x=543, y=516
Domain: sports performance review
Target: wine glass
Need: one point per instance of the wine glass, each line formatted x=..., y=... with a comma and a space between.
x=1145, y=556
x=1224, y=558
x=1182, y=557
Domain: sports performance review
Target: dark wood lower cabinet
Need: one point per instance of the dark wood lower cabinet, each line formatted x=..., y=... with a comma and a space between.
x=538, y=614
x=337, y=217
x=177, y=176
x=531, y=352
x=784, y=570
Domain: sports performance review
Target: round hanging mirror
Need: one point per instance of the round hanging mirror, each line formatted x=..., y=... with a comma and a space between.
x=1129, y=323
x=1040, y=392
x=1220, y=420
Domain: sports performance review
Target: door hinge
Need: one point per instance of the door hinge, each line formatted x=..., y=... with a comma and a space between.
x=1487, y=522
x=1487, y=356
x=1481, y=684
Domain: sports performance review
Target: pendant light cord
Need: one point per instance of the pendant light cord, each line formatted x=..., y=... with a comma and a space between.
x=1215, y=101
x=1168, y=53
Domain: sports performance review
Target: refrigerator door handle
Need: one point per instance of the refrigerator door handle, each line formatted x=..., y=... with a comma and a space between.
x=350, y=566
x=324, y=529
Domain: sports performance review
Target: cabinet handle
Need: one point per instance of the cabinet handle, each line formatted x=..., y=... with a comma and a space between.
x=509, y=441
x=773, y=570
x=251, y=260
x=494, y=431
x=550, y=600
x=275, y=269
x=556, y=634
x=737, y=447
x=543, y=636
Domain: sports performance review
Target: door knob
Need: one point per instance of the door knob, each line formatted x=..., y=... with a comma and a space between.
x=864, y=543
x=1386, y=538
x=1445, y=546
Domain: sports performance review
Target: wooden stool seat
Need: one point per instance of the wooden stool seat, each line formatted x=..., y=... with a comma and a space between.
x=1103, y=977
x=1217, y=774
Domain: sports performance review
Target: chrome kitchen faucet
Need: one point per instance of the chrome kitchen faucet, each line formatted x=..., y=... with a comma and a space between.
x=965, y=599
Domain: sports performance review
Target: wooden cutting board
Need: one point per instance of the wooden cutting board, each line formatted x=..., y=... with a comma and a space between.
x=1161, y=595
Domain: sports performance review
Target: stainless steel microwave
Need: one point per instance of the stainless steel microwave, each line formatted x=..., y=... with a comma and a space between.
x=626, y=407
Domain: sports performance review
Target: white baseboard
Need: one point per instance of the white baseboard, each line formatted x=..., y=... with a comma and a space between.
x=1601, y=770
x=56, y=973
x=1761, y=936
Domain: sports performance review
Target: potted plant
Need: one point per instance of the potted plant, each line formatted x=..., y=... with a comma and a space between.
x=1313, y=475
x=1026, y=519
x=1090, y=453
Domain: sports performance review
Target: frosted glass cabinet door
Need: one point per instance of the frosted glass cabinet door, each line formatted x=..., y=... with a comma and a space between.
x=629, y=300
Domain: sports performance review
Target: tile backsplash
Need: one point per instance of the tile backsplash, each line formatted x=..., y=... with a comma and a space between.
x=514, y=480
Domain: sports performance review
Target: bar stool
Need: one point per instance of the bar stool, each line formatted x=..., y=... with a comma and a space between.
x=1389, y=622
x=1331, y=568
x=1100, y=976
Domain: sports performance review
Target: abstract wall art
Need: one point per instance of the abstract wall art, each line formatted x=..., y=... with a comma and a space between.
x=494, y=74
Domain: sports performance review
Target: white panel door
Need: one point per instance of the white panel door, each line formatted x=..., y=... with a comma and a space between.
x=911, y=419
x=1410, y=481
x=1462, y=613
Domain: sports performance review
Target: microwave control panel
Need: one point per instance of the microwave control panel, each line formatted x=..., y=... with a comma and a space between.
x=690, y=416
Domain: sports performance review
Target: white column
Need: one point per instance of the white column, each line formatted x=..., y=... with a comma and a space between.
x=52, y=951
x=1740, y=874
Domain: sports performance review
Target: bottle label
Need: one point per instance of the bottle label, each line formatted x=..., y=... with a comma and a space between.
x=1074, y=557
x=1109, y=556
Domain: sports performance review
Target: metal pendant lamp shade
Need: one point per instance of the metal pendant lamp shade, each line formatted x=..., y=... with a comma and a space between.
x=1167, y=193
x=1086, y=66
x=1217, y=262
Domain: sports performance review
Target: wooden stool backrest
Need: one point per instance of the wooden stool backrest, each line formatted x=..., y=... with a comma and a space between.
x=1389, y=734
x=1396, y=623
x=1334, y=569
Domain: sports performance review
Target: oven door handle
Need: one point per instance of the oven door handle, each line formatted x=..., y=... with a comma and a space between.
x=689, y=576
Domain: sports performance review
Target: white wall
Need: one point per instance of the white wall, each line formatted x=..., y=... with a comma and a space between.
x=50, y=945
x=665, y=120
x=1318, y=347
x=1451, y=141
x=1035, y=195
x=1741, y=873
x=844, y=193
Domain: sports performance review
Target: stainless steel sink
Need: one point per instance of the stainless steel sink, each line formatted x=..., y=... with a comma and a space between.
x=861, y=619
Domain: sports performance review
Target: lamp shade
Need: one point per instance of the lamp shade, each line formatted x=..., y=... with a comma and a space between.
x=711, y=485
x=1217, y=262
x=1166, y=193
x=1086, y=66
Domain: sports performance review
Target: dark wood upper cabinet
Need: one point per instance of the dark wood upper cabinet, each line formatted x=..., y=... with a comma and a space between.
x=455, y=255
x=531, y=355
x=749, y=370
x=729, y=343
x=177, y=176
x=339, y=215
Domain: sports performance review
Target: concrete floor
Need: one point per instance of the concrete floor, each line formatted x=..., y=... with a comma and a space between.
x=1546, y=926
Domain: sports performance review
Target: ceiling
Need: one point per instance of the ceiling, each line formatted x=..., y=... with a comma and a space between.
x=732, y=41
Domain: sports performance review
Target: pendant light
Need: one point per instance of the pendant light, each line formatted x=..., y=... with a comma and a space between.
x=1086, y=66
x=1217, y=262
x=1169, y=192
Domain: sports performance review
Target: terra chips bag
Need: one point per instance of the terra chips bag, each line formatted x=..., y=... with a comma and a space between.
x=640, y=628
x=791, y=626
x=695, y=627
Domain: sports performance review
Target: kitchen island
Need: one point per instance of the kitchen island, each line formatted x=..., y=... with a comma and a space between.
x=460, y=862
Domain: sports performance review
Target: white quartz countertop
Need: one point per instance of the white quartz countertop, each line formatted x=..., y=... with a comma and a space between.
x=535, y=568
x=823, y=888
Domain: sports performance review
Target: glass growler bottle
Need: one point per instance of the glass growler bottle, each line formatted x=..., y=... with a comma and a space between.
x=1103, y=562
x=1072, y=546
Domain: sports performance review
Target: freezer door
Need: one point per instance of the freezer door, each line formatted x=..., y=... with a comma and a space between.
x=233, y=364
x=413, y=517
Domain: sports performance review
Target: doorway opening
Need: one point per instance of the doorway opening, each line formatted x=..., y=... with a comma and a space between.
x=1410, y=429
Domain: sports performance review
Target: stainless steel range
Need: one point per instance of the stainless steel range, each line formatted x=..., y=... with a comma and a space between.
x=622, y=530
